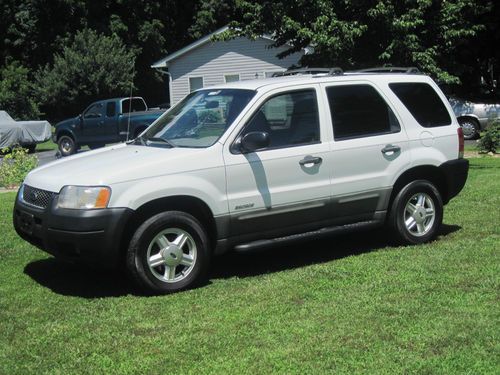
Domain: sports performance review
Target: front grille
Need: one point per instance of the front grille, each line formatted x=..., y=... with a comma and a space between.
x=37, y=197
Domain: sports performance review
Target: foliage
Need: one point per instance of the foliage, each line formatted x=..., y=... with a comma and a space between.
x=351, y=304
x=92, y=66
x=358, y=34
x=15, y=166
x=16, y=92
x=490, y=140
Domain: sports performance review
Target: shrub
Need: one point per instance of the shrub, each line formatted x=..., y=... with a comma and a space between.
x=16, y=92
x=15, y=166
x=490, y=140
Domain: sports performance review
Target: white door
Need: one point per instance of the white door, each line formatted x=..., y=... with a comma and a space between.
x=285, y=186
x=370, y=148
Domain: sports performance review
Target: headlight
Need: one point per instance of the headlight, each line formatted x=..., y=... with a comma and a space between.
x=84, y=197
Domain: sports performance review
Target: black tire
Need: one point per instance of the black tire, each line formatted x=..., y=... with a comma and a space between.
x=400, y=213
x=30, y=148
x=94, y=146
x=66, y=145
x=470, y=128
x=144, y=245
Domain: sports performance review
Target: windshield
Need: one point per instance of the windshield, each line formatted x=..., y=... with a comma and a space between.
x=199, y=120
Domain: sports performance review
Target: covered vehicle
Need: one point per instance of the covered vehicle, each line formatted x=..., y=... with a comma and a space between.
x=22, y=133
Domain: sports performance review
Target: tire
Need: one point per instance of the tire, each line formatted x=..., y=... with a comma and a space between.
x=173, y=268
x=422, y=202
x=94, y=146
x=30, y=148
x=66, y=145
x=470, y=128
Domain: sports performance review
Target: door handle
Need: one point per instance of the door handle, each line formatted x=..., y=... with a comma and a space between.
x=390, y=149
x=311, y=160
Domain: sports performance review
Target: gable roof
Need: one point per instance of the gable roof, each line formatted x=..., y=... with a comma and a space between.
x=163, y=63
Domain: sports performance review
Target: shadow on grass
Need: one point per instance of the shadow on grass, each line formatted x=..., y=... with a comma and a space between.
x=306, y=253
x=81, y=281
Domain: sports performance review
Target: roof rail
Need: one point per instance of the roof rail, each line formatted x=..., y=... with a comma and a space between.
x=303, y=71
x=390, y=69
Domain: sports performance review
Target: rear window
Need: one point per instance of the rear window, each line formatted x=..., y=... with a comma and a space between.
x=423, y=103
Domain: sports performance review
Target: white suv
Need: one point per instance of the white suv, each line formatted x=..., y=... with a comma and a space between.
x=252, y=164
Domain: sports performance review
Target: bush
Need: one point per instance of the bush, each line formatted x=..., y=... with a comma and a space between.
x=490, y=140
x=15, y=166
x=16, y=92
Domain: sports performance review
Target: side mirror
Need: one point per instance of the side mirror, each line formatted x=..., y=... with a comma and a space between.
x=254, y=141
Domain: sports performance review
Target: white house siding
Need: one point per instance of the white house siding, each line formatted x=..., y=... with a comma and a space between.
x=237, y=56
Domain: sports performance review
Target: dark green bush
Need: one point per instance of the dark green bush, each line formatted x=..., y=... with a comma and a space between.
x=490, y=140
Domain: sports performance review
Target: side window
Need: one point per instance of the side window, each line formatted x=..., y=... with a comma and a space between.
x=290, y=119
x=359, y=111
x=94, y=111
x=423, y=103
x=195, y=83
x=110, y=109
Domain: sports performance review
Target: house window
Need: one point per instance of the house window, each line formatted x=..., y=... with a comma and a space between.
x=231, y=78
x=195, y=83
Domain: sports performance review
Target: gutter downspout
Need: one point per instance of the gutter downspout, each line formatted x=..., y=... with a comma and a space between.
x=166, y=72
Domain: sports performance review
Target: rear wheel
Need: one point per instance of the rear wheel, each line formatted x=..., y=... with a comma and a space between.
x=470, y=128
x=416, y=213
x=66, y=145
x=169, y=252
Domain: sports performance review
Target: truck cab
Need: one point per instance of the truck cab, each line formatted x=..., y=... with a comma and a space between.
x=103, y=122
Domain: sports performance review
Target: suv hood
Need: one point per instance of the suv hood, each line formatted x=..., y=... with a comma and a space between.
x=115, y=164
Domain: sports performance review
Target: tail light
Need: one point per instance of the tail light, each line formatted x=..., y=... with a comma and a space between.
x=460, y=142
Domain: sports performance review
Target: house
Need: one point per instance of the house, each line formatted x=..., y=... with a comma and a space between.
x=205, y=63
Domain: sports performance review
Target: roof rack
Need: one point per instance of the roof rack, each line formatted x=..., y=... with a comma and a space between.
x=303, y=71
x=390, y=69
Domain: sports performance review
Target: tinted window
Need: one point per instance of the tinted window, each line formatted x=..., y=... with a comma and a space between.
x=290, y=119
x=423, y=103
x=134, y=105
x=359, y=111
x=110, y=109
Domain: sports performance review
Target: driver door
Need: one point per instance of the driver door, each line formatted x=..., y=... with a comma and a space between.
x=93, y=123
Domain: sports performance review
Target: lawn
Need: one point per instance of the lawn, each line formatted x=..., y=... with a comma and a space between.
x=350, y=304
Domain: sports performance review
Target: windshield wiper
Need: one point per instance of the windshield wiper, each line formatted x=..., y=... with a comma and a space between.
x=158, y=139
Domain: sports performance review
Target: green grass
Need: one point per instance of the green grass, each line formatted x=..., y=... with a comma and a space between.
x=46, y=146
x=350, y=304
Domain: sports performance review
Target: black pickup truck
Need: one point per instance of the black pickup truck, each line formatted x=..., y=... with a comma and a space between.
x=103, y=122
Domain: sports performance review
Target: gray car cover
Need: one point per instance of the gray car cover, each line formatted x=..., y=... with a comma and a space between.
x=22, y=132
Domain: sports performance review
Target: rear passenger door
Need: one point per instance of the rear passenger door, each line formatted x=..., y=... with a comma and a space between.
x=369, y=149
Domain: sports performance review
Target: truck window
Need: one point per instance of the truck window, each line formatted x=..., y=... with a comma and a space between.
x=110, y=109
x=134, y=105
x=95, y=110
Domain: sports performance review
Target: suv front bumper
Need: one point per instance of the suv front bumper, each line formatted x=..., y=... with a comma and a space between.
x=91, y=236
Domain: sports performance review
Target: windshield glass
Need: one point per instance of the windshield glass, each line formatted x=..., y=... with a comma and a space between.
x=199, y=120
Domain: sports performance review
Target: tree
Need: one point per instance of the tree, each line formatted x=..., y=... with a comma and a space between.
x=16, y=92
x=429, y=34
x=93, y=66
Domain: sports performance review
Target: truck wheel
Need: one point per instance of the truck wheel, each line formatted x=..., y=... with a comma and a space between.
x=416, y=213
x=66, y=145
x=169, y=252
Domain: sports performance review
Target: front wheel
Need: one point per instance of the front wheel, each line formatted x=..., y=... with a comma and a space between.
x=416, y=213
x=66, y=145
x=169, y=252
